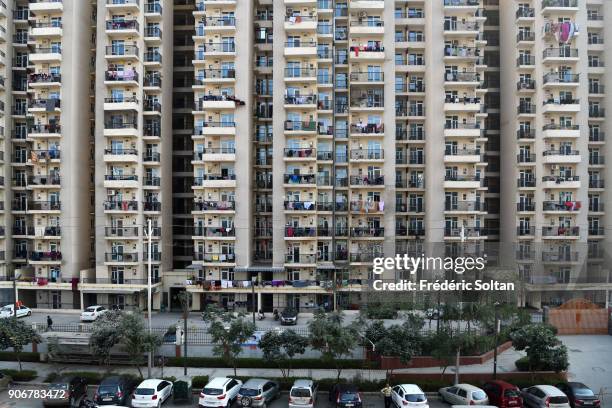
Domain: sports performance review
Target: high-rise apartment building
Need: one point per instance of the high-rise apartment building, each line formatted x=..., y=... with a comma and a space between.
x=277, y=147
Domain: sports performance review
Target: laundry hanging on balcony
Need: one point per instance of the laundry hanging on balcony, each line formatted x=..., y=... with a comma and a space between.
x=563, y=32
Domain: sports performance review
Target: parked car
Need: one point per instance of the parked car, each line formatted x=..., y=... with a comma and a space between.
x=5, y=380
x=91, y=313
x=289, y=316
x=345, y=396
x=66, y=391
x=258, y=392
x=503, y=394
x=409, y=395
x=579, y=395
x=303, y=394
x=544, y=396
x=219, y=392
x=464, y=394
x=114, y=390
x=9, y=311
x=151, y=393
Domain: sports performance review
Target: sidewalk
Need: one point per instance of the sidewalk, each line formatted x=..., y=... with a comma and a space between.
x=505, y=364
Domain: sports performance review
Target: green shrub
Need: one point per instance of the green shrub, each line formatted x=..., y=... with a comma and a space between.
x=23, y=375
x=25, y=356
x=305, y=363
x=522, y=364
x=199, y=381
x=91, y=377
x=171, y=378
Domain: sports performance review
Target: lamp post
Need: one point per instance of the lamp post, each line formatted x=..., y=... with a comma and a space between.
x=149, y=290
x=497, y=330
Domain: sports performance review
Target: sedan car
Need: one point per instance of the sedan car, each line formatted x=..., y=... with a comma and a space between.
x=345, y=396
x=289, y=316
x=544, y=396
x=503, y=394
x=258, y=392
x=464, y=394
x=66, y=390
x=219, y=392
x=9, y=311
x=114, y=390
x=151, y=393
x=409, y=395
x=91, y=313
x=579, y=395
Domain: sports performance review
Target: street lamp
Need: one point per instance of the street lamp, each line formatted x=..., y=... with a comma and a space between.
x=497, y=330
x=149, y=290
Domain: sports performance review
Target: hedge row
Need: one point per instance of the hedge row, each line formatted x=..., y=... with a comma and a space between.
x=313, y=363
x=23, y=375
x=91, y=377
x=28, y=357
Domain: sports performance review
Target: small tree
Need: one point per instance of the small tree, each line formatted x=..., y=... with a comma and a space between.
x=281, y=348
x=543, y=348
x=228, y=331
x=16, y=334
x=332, y=339
x=105, y=335
x=135, y=339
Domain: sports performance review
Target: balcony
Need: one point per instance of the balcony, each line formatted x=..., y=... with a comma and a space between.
x=152, y=58
x=472, y=78
x=465, y=104
x=561, y=106
x=300, y=127
x=120, y=128
x=215, y=50
x=301, y=101
x=364, y=257
x=215, y=101
x=366, y=27
x=596, y=231
x=525, y=231
x=121, y=232
x=526, y=109
x=456, y=53
x=525, y=61
x=460, y=129
x=120, y=206
x=211, y=128
x=216, y=154
x=44, y=206
x=557, y=131
x=459, y=28
x=120, y=52
x=214, y=232
x=524, y=158
x=300, y=179
x=215, y=24
x=561, y=181
x=302, y=259
x=367, y=154
x=465, y=206
x=45, y=256
x=374, y=77
x=44, y=79
x=123, y=5
x=208, y=76
x=560, y=55
x=300, y=48
x=456, y=155
x=559, y=6
x=375, y=52
x=596, y=112
x=561, y=206
x=460, y=181
x=525, y=13
x=128, y=76
x=596, y=183
x=128, y=257
x=151, y=206
x=300, y=206
x=214, y=206
x=122, y=26
x=118, y=154
x=525, y=134
x=213, y=180
x=526, y=85
x=120, y=103
x=559, y=79
x=465, y=232
x=45, y=6
x=44, y=181
x=560, y=256
x=300, y=22
x=560, y=232
x=367, y=181
x=120, y=181
x=561, y=156
x=525, y=206
x=300, y=232
x=367, y=232
x=300, y=153
x=153, y=34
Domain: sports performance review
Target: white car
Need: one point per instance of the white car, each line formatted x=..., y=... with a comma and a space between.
x=9, y=311
x=151, y=393
x=219, y=392
x=409, y=395
x=544, y=396
x=464, y=394
x=91, y=313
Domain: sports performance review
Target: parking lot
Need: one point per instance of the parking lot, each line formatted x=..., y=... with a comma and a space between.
x=370, y=401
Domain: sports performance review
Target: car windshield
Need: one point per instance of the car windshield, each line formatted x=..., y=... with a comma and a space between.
x=6, y=309
x=584, y=392
x=249, y=392
x=478, y=395
x=107, y=389
x=144, y=391
x=58, y=386
x=90, y=309
x=558, y=400
x=212, y=391
x=509, y=393
x=349, y=396
x=415, y=397
x=289, y=312
x=300, y=392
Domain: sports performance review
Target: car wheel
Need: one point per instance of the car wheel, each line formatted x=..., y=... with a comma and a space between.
x=29, y=313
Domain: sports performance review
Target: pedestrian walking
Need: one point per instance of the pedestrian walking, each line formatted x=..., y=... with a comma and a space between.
x=49, y=323
x=386, y=392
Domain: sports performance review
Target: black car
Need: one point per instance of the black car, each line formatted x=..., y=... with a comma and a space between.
x=289, y=316
x=579, y=395
x=114, y=390
x=345, y=396
x=66, y=391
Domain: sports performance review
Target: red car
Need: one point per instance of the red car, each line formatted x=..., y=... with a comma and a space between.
x=503, y=394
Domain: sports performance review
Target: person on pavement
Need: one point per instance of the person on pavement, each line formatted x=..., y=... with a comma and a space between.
x=49, y=323
x=386, y=392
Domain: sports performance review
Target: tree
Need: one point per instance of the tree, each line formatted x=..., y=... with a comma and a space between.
x=105, y=335
x=228, y=332
x=16, y=334
x=544, y=350
x=282, y=347
x=135, y=339
x=331, y=338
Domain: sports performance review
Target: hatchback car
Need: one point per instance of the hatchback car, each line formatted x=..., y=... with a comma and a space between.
x=151, y=393
x=303, y=394
x=464, y=394
x=114, y=390
x=503, y=394
x=544, y=396
x=409, y=395
x=66, y=391
x=289, y=316
x=9, y=311
x=345, y=396
x=91, y=313
x=579, y=395
x=219, y=392
x=258, y=392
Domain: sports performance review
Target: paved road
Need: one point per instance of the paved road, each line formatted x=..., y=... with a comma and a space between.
x=370, y=401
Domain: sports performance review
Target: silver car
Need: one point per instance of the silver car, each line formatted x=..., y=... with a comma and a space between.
x=258, y=392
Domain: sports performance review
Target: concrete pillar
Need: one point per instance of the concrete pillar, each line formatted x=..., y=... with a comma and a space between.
x=195, y=301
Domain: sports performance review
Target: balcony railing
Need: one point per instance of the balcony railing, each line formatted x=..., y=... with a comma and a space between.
x=559, y=3
x=561, y=205
x=525, y=12
x=367, y=181
x=121, y=75
x=300, y=126
x=121, y=177
x=373, y=232
x=300, y=179
x=214, y=205
x=198, y=181
x=525, y=60
x=564, y=78
x=114, y=205
x=300, y=258
x=121, y=50
x=465, y=206
x=122, y=25
x=219, y=232
x=121, y=257
x=525, y=206
x=44, y=78
x=560, y=53
x=560, y=231
x=116, y=232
